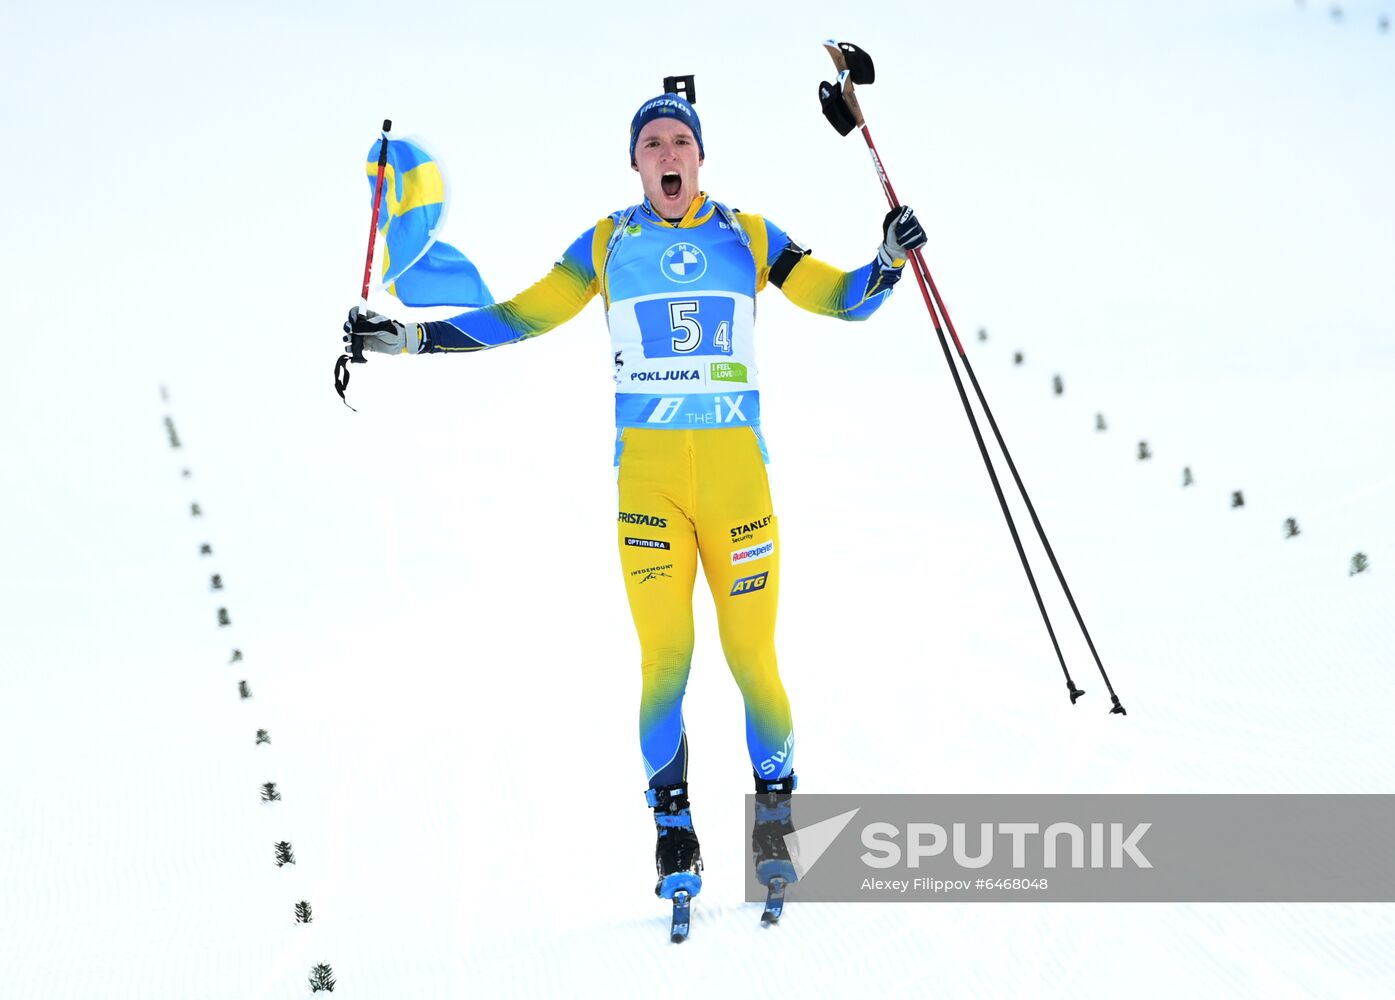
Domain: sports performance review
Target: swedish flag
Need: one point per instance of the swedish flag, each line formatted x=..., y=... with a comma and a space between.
x=416, y=267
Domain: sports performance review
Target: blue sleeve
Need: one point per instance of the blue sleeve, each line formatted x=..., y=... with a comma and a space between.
x=548, y=303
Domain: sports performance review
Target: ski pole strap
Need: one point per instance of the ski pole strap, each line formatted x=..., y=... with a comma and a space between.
x=341, y=378
x=835, y=106
x=854, y=60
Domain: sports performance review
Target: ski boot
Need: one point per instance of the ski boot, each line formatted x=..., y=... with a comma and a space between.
x=769, y=852
x=677, y=855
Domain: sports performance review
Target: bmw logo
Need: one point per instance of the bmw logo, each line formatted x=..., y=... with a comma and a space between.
x=683, y=263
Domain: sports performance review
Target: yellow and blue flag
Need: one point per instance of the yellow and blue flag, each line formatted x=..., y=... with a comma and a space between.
x=416, y=267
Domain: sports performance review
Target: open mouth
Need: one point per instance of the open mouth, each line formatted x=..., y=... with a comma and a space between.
x=671, y=183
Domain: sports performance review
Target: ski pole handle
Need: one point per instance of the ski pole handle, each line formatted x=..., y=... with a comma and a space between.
x=355, y=340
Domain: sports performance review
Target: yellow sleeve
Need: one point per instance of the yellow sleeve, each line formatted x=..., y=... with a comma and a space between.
x=817, y=286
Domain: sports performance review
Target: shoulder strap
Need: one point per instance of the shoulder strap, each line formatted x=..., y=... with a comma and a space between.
x=600, y=259
x=756, y=244
x=729, y=217
x=622, y=220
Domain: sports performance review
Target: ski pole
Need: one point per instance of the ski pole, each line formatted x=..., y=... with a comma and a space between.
x=843, y=111
x=355, y=355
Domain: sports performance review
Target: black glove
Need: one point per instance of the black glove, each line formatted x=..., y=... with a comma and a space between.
x=386, y=336
x=903, y=234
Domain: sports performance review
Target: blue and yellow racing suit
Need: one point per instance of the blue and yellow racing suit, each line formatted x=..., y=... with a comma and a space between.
x=680, y=301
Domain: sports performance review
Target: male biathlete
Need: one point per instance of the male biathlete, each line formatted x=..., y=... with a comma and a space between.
x=678, y=274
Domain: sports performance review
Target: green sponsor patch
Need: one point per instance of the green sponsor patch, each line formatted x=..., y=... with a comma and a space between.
x=728, y=371
x=634, y=230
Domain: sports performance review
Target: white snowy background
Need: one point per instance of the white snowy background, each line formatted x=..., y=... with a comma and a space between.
x=1184, y=209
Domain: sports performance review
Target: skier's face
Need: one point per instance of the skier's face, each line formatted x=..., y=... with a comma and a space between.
x=667, y=159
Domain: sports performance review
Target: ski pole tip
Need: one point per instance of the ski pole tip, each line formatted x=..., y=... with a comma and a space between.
x=1075, y=692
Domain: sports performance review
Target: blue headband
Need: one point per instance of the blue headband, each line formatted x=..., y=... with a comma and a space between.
x=665, y=106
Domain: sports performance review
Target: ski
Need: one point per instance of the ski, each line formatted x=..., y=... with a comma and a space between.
x=680, y=887
x=774, y=901
x=682, y=915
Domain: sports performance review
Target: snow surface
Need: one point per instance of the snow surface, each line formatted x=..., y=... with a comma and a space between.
x=1185, y=210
